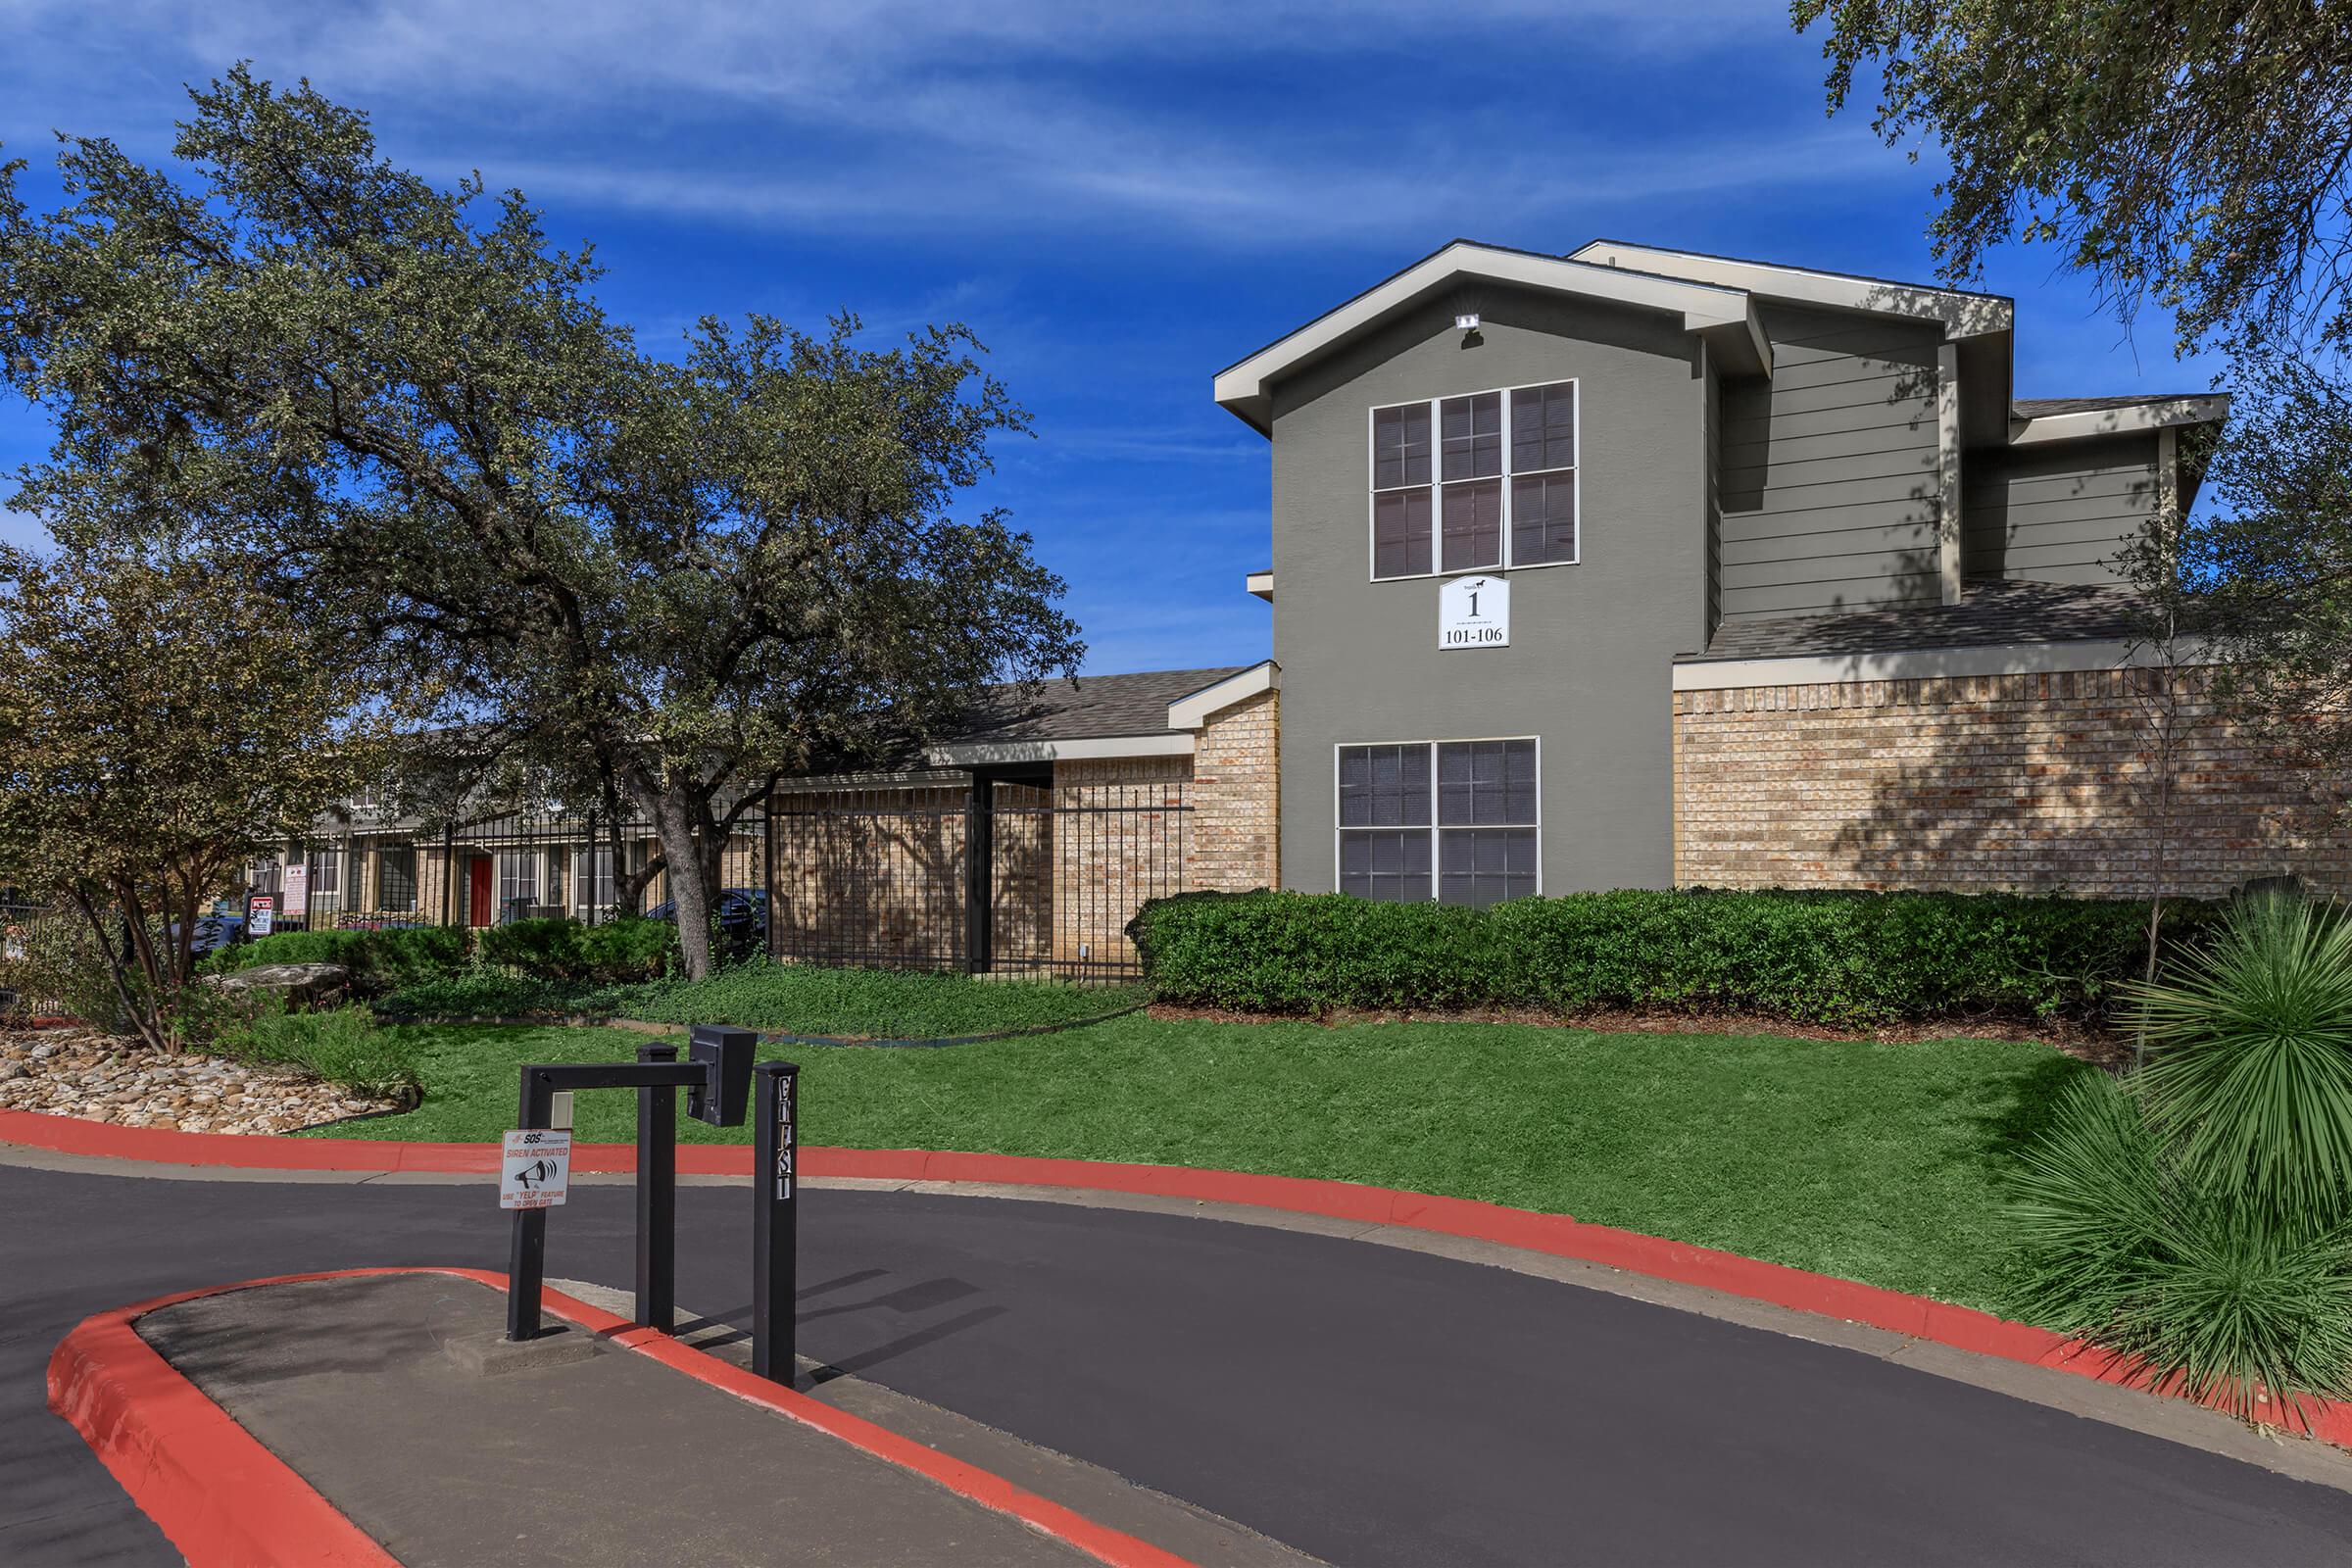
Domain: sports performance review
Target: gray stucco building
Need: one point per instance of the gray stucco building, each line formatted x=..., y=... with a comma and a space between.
x=1779, y=583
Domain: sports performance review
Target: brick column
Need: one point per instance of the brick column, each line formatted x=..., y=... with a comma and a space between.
x=1236, y=836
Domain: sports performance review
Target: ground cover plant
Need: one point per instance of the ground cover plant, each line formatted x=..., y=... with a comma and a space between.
x=1871, y=1160
x=2197, y=1215
x=341, y=1044
x=799, y=999
x=1846, y=958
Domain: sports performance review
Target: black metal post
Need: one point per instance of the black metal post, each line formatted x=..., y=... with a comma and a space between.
x=775, y=1224
x=979, y=874
x=657, y=1197
x=527, y=1253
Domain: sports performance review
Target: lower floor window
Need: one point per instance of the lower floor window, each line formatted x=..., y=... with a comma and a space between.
x=396, y=879
x=1457, y=821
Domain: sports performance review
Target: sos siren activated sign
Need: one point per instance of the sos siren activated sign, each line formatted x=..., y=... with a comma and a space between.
x=534, y=1170
x=261, y=916
x=1474, y=612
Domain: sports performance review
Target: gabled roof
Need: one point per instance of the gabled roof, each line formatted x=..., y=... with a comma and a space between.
x=1723, y=316
x=1090, y=707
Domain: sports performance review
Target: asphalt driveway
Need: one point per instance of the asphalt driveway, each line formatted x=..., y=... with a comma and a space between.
x=1364, y=1403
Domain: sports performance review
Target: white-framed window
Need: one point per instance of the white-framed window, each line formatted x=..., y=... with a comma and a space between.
x=396, y=878
x=592, y=878
x=1486, y=481
x=1458, y=821
x=517, y=877
x=327, y=873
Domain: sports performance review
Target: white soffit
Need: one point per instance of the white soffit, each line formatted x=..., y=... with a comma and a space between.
x=1723, y=313
x=1963, y=314
x=2158, y=414
x=1192, y=712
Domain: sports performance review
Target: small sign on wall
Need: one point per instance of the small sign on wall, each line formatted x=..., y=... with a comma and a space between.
x=1474, y=612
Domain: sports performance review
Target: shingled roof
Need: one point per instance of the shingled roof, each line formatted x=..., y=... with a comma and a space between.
x=1090, y=707
x=1989, y=612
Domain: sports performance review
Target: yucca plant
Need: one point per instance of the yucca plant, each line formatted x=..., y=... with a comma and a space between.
x=2126, y=1248
x=2252, y=1069
x=2197, y=1215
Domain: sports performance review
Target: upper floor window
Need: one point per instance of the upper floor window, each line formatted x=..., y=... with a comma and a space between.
x=1482, y=482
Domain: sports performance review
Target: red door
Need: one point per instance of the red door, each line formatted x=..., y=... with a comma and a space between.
x=478, y=889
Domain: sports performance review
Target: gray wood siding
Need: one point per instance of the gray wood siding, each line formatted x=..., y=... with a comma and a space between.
x=1827, y=488
x=2056, y=513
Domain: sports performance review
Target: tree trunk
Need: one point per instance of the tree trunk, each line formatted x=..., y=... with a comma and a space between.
x=674, y=808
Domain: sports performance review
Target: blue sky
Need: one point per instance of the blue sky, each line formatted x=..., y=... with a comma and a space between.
x=1120, y=199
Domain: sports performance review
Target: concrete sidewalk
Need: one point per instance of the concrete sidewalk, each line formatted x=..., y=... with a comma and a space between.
x=609, y=1458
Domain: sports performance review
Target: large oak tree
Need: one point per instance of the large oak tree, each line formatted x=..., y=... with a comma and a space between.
x=676, y=577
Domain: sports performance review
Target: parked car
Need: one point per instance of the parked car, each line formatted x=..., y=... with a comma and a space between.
x=740, y=913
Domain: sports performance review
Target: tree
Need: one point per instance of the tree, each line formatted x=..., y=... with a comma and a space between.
x=668, y=580
x=158, y=719
x=2199, y=155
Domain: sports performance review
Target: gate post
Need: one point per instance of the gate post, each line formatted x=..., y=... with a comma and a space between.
x=979, y=873
x=657, y=1197
x=775, y=1221
x=526, y=1250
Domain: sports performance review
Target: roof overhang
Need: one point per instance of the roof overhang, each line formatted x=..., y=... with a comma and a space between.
x=1962, y=314
x=1723, y=316
x=1193, y=713
x=2157, y=414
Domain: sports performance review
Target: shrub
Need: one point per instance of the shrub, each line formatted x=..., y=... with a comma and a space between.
x=405, y=955
x=2124, y=1244
x=290, y=947
x=558, y=948
x=2198, y=1215
x=1827, y=957
x=340, y=1045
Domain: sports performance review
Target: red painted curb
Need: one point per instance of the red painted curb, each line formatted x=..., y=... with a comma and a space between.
x=222, y=1498
x=217, y=1493
x=1557, y=1234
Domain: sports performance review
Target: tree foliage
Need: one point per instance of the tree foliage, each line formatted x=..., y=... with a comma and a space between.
x=2199, y=156
x=663, y=579
x=157, y=719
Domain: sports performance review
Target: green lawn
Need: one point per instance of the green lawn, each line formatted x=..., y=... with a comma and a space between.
x=1870, y=1160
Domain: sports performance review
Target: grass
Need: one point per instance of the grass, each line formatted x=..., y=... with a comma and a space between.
x=1871, y=1160
x=804, y=998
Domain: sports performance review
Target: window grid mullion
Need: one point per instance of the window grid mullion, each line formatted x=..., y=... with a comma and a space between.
x=1436, y=846
x=1503, y=555
x=1437, y=486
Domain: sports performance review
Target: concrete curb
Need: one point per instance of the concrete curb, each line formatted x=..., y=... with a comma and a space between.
x=1556, y=1235
x=222, y=1498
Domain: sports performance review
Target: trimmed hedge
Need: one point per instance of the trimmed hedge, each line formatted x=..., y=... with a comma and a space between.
x=1822, y=957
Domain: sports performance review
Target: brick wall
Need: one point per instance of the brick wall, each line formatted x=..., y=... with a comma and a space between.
x=1236, y=839
x=1120, y=839
x=2031, y=782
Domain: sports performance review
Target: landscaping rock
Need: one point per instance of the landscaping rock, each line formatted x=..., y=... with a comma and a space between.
x=86, y=1073
x=309, y=983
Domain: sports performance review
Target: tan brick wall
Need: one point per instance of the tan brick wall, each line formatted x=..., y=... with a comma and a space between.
x=870, y=875
x=1236, y=838
x=2038, y=782
x=1121, y=839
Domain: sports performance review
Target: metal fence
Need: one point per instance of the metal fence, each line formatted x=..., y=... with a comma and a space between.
x=1011, y=879
x=492, y=869
x=29, y=935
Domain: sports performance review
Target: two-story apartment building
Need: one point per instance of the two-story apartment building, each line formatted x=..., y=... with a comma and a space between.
x=1638, y=567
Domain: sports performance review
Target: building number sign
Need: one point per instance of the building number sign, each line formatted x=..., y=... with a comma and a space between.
x=1474, y=612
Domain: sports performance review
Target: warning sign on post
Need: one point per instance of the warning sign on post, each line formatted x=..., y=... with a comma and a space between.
x=537, y=1168
x=261, y=916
